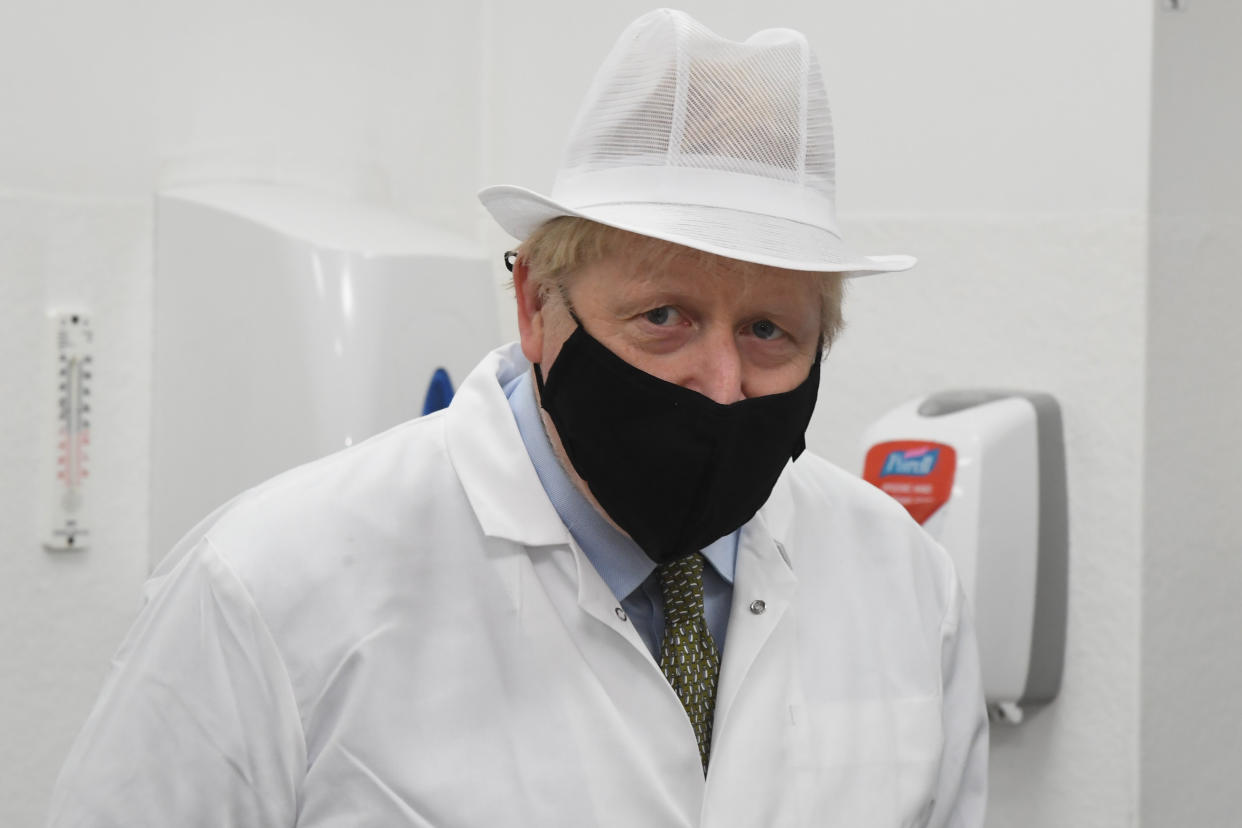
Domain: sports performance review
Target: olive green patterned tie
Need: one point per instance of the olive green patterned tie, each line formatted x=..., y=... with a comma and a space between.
x=688, y=655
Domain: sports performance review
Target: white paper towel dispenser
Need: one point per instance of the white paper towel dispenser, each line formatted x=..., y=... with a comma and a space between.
x=290, y=324
x=984, y=472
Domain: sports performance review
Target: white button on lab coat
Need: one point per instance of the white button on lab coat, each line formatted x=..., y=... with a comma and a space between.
x=405, y=634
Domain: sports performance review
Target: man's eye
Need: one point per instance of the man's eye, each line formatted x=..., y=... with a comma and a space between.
x=660, y=316
x=764, y=329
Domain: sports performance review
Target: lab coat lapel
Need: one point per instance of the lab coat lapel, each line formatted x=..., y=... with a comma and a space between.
x=763, y=591
x=490, y=459
x=759, y=737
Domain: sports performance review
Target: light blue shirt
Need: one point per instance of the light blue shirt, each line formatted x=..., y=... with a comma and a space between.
x=629, y=573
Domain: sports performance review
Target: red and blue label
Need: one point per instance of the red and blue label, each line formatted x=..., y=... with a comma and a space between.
x=916, y=473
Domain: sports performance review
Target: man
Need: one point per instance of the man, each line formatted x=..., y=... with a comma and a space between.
x=594, y=590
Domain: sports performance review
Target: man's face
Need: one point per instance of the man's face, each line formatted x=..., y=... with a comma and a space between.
x=708, y=324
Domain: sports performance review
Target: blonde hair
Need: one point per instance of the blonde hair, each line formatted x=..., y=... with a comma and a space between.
x=562, y=246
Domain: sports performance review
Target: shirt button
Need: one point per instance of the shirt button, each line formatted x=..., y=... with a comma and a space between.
x=758, y=606
x=621, y=614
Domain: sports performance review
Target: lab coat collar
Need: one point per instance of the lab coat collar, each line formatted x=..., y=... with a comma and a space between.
x=487, y=453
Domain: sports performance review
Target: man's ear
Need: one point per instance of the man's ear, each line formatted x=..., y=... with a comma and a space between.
x=530, y=302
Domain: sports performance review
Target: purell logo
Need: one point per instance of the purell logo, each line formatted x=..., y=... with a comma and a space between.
x=915, y=462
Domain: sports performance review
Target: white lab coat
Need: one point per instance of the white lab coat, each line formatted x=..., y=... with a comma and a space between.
x=405, y=634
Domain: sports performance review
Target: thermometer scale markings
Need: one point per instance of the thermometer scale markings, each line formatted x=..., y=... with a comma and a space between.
x=67, y=529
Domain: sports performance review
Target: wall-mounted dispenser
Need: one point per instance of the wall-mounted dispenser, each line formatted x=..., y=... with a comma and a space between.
x=289, y=325
x=984, y=472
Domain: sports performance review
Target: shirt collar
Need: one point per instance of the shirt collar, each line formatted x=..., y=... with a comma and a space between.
x=616, y=557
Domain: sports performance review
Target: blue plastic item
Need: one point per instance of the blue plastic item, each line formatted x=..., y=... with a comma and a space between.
x=439, y=392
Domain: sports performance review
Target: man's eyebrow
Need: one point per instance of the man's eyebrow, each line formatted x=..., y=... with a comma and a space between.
x=649, y=295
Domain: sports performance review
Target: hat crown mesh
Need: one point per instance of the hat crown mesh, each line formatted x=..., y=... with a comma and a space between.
x=674, y=94
x=698, y=141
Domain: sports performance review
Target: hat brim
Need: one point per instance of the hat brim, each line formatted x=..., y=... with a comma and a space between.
x=734, y=234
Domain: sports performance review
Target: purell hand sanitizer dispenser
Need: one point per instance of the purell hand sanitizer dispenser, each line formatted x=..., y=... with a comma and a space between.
x=984, y=473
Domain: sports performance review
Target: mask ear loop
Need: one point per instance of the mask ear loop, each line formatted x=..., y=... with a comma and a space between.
x=539, y=380
x=510, y=258
x=569, y=306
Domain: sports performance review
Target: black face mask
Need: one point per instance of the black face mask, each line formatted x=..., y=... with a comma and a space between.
x=673, y=468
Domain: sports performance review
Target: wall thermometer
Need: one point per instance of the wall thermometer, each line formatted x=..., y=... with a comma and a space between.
x=67, y=526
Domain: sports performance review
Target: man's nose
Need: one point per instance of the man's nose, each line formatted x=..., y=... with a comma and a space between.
x=718, y=371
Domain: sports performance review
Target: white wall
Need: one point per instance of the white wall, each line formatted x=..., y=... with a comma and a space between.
x=1192, y=568
x=1005, y=143
x=373, y=98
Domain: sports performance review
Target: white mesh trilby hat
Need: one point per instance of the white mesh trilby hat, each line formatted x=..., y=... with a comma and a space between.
x=720, y=146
